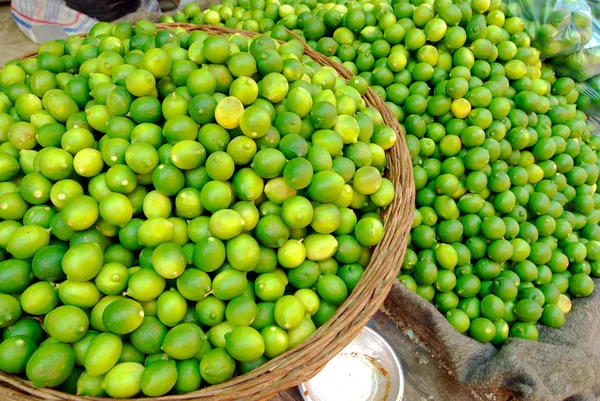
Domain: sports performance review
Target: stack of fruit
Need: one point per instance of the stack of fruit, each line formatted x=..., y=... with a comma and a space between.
x=209, y=162
x=177, y=207
x=506, y=227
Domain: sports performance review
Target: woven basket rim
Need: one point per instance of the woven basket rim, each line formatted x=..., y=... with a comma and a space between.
x=308, y=358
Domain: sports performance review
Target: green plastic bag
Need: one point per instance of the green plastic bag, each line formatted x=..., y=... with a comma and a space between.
x=556, y=27
x=585, y=63
x=589, y=98
x=582, y=64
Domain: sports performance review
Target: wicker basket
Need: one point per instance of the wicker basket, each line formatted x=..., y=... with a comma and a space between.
x=307, y=359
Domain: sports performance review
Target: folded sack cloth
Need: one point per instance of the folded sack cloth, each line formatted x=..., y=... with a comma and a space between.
x=563, y=365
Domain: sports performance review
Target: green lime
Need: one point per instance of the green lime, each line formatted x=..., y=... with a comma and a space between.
x=217, y=366
x=112, y=278
x=209, y=254
x=11, y=310
x=326, y=186
x=183, y=341
x=15, y=276
x=123, y=380
x=25, y=241
x=193, y=284
x=66, y=323
x=289, y=312
x=50, y=365
x=171, y=308
x=85, y=254
x=526, y=331
x=25, y=327
x=580, y=285
x=102, y=354
x=80, y=294
x=528, y=310
x=188, y=376
x=15, y=353
x=276, y=341
x=210, y=311
x=458, y=319
x=123, y=316
x=553, y=316
x=90, y=385
x=168, y=260
x=268, y=287
x=243, y=252
x=271, y=231
x=482, y=330
x=229, y=284
x=265, y=315
x=149, y=336
x=158, y=378
x=245, y=344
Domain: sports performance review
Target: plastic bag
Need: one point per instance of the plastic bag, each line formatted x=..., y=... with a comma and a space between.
x=28, y=13
x=557, y=27
x=583, y=64
x=595, y=6
x=589, y=99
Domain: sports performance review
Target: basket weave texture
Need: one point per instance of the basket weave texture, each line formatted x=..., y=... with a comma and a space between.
x=307, y=359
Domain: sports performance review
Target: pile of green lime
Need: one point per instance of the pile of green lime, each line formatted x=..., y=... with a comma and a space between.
x=556, y=28
x=506, y=225
x=177, y=208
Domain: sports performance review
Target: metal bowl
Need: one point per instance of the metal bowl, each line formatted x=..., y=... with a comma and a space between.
x=366, y=370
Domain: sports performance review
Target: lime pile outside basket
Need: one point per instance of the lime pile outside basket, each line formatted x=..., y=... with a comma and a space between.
x=177, y=208
x=506, y=226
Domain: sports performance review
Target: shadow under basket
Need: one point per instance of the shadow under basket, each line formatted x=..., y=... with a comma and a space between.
x=307, y=359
